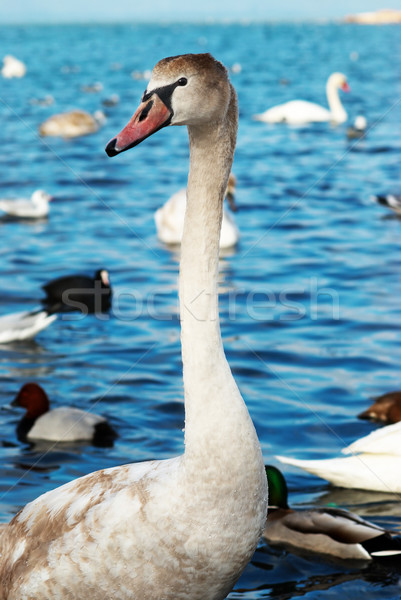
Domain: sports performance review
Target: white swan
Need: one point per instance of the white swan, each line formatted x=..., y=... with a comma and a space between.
x=74, y=123
x=12, y=67
x=36, y=207
x=299, y=112
x=182, y=528
x=169, y=218
x=19, y=326
x=373, y=462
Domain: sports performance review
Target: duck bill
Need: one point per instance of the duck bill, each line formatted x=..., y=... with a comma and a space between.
x=149, y=117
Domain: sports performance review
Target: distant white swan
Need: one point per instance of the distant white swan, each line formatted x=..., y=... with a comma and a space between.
x=183, y=528
x=12, y=67
x=372, y=462
x=74, y=123
x=170, y=217
x=36, y=207
x=299, y=112
x=19, y=326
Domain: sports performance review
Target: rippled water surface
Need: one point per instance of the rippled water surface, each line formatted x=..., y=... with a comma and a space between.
x=310, y=298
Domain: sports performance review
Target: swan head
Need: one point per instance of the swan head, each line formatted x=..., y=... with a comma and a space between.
x=338, y=81
x=41, y=197
x=190, y=89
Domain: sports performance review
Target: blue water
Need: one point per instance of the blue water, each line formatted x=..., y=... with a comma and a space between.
x=309, y=298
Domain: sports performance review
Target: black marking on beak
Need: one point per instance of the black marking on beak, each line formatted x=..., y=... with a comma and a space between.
x=145, y=111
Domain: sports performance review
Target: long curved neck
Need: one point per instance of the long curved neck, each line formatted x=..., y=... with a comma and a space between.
x=333, y=98
x=206, y=371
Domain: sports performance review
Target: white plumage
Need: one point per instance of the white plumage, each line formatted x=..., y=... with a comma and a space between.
x=12, y=67
x=371, y=463
x=24, y=325
x=35, y=207
x=170, y=217
x=300, y=112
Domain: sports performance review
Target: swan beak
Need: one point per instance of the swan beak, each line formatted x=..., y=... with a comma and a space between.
x=149, y=117
x=345, y=87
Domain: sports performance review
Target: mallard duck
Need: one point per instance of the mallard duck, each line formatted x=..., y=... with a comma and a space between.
x=325, y=531
x=386, y=408
x=373, y=462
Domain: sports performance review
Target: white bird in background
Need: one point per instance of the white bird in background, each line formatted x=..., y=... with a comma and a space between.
x=371, y=463
x=358, y=129
x=24, y=325
x=170, y=217
x=300, y=112
x=12, y=67
x=186, y=527
x=35, y=207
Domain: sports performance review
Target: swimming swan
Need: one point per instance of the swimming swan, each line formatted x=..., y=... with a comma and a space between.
x=182, y=528
x=169, y=218
x=371, y=463
x=299, y=112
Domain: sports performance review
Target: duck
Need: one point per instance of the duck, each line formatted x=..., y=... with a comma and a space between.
x=182, y=527
x=385, y=409
x=35, y=207
x=301, y=112
x=12, y=67
x=79, y=293
x=24, y=325
x=61, y=424
x=323, y=531
x=358, y=129
x=372, y=462
x=169, y=218
x=392, y=201
x=72, y=124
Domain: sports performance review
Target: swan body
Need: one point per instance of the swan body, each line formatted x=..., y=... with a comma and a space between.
x=182, y=528
x=386, y=409
x=170, y=217
x=12, y=67
x=74, y=123
x=36, y=207
x=371, y=463
x=24, y=325
x=61, y=424
x=333, y=532
x=392, y=201
x=79, y=292
x=300, y=112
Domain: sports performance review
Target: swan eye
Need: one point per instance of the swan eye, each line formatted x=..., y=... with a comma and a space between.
x=182, y=81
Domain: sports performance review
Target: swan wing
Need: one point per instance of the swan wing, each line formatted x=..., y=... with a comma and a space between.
x=296, y=112
x=385, y=440
x=367, y=471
